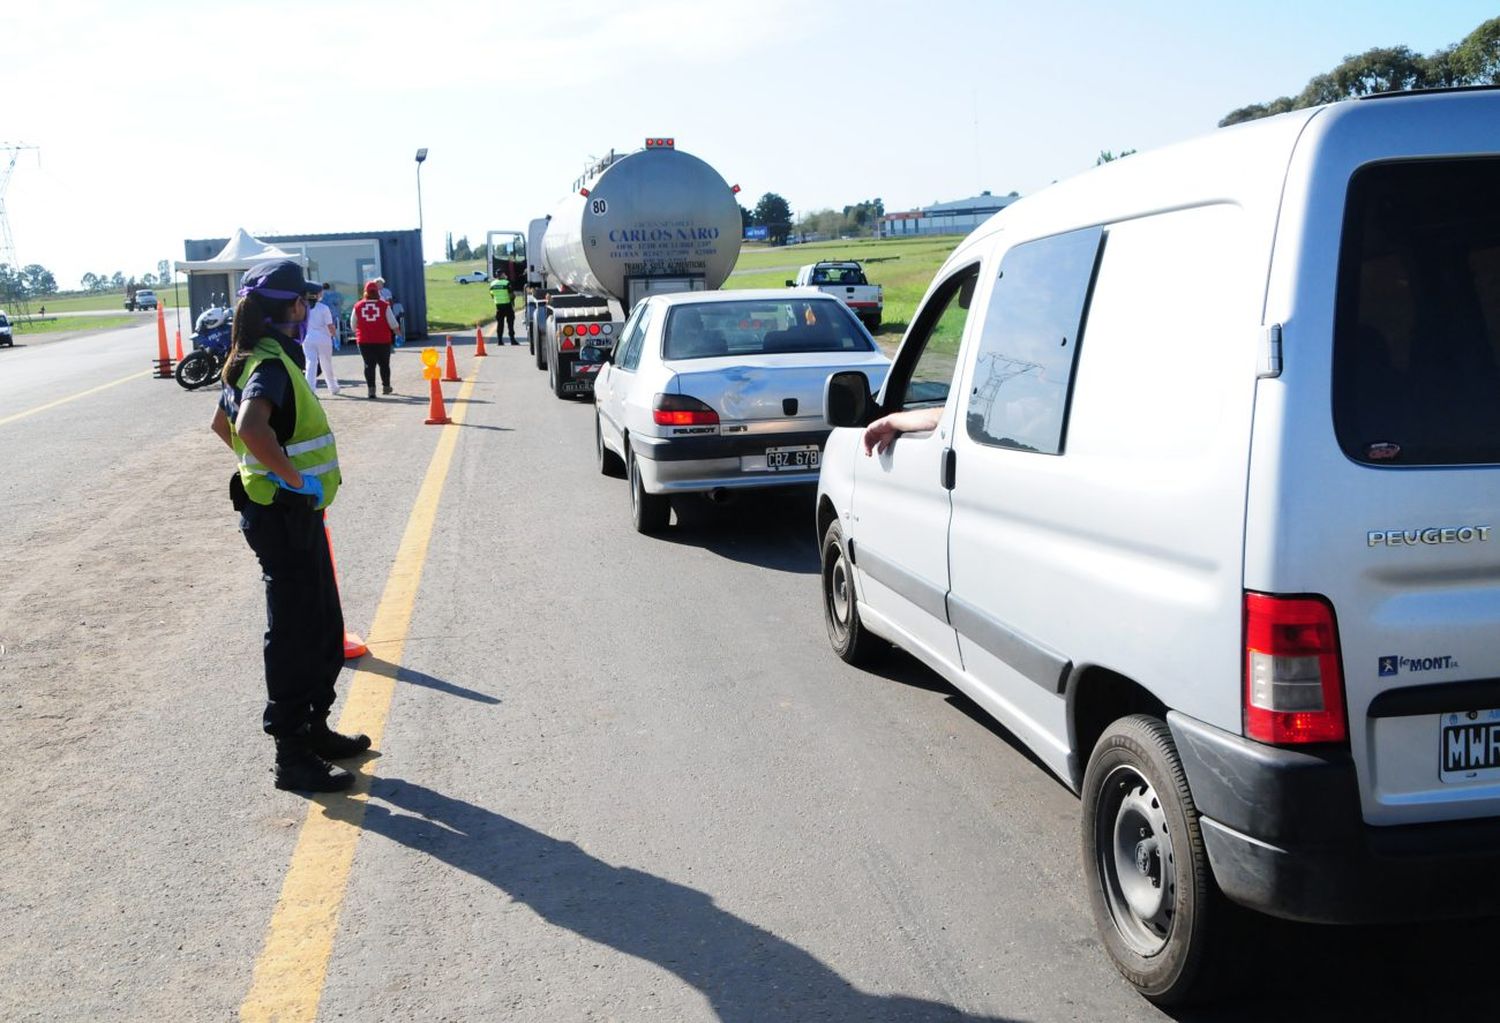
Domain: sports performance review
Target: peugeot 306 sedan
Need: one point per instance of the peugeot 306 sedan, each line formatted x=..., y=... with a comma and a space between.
x=722, y=390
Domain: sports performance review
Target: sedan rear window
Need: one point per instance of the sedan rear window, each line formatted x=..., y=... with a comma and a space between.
x=1416, y=374
x=705, y=330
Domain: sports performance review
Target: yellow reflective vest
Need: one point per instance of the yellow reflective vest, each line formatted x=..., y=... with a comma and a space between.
x=310, y=448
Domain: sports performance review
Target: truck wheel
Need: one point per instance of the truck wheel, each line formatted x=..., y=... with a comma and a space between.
x=872, y=323
x=851, y=641
x=555, y=376
x=609, y=463
x=1150, y=884
x=648, y=512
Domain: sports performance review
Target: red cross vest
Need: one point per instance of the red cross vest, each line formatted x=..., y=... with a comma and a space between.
x=370, y=326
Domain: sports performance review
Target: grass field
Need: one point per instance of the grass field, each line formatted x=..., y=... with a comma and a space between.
x=903, y=267
x=62, y=323
x=78, y=303
x=453, y=306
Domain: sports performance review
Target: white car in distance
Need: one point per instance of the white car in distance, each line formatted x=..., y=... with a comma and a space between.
x=472, y=277
x=715, y=391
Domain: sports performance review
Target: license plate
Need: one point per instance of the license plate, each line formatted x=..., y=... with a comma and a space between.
x=778, y=459
x=1470, y=749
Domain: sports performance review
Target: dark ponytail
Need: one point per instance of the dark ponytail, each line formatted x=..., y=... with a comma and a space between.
x=252, y=316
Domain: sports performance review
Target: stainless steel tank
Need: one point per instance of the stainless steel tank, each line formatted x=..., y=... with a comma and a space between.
x=655, y=213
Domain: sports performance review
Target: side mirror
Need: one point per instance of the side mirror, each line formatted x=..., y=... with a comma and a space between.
x=791, y=284
x=847, y=400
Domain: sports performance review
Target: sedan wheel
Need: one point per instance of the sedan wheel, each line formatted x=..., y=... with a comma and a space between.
x=648, y=512
x=608, y=462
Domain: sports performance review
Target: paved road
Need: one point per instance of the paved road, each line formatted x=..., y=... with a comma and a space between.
x=620, y=778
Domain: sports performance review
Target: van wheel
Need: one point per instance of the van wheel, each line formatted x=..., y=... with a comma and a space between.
x=648, y=512
x=1150, y=884
x=609, y=463
x=851, y=641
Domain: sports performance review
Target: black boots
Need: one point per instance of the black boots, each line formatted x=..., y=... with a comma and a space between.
x=302, y=760
x=300, y=769
x=330, y=745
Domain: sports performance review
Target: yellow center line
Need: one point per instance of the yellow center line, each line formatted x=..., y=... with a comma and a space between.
x=293, y=962
x=74, y=397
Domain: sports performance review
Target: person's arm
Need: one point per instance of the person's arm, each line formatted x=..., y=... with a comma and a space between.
x=882, y=433
x=254, y=428
x=220, y=427
x=390, y=318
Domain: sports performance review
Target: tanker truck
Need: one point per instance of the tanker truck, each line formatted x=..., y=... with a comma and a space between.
x=643, y=223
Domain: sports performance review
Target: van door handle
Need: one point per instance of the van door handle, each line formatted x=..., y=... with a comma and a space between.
x=949, y=472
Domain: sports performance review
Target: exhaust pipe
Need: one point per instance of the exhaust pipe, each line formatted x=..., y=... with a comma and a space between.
x=720, y=495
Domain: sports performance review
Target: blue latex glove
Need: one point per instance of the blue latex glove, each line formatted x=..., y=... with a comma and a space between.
x=400, y=340
x=311, y=486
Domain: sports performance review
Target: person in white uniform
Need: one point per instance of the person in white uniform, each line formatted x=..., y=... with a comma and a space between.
x=317, y=346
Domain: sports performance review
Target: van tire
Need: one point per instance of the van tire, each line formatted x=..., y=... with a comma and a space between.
x=1159, y=941
x=847, y=634
x=648, y=512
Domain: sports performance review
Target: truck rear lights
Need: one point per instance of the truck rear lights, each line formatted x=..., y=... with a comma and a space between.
x=593, y=330
x=608, y=328
x=1294, y=686
x=682, y=410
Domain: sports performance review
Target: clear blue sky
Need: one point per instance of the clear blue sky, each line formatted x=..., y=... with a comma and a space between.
x=163, y=120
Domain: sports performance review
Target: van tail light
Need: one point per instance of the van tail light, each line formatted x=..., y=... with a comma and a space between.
x=1294, y=687
x=682, y=410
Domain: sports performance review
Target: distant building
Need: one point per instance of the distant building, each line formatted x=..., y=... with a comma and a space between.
x=958, y=217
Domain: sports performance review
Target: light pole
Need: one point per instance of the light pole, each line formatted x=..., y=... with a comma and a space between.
x=421, y=155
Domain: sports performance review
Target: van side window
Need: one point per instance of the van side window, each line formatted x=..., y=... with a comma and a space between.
x=1029, y=343
x=925, y=368
x=1416, y=339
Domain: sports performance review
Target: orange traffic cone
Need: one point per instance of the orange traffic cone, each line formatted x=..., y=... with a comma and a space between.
x=479, y=342
x=353, y=645
x=163, y=360
x=436, y=414
x=451, y=376
x=179, y=346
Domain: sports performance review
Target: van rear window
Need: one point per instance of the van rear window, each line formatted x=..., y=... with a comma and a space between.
x=1416, y=353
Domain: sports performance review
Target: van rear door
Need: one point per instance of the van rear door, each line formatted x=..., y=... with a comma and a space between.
x=1385, y=498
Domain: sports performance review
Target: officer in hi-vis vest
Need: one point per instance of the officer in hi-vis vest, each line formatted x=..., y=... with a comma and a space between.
x=288, y=473
x=505, y=308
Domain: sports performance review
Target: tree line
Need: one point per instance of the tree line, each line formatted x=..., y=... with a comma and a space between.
x=1475, y=60
x=36, y=281
x=774, y=213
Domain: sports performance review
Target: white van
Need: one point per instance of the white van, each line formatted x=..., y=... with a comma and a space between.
x=1207, y=517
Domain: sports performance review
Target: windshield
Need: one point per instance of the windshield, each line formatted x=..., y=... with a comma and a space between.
x=838, y=275
x=703, y=330
x=3, y=321
x=1416, y=368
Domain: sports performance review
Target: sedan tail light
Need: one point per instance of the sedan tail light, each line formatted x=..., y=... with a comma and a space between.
x=1294, y=685
x=682, y=410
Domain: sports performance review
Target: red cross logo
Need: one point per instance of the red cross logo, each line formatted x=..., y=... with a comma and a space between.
x=369, y=313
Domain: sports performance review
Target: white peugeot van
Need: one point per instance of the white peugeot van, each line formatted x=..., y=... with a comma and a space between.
x=1207, y=517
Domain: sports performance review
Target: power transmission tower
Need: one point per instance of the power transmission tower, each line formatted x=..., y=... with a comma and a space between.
x=1000, y=369
x=7, y=243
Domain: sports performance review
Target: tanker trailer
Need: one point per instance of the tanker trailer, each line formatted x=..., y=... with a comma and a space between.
x=643, y=223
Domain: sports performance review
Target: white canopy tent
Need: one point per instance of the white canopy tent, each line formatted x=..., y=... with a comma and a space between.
x=214, y=281
x=240, y=253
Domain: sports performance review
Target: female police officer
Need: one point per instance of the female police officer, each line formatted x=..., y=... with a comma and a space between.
x=289, y=472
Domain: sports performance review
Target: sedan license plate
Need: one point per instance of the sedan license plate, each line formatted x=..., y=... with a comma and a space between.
x=1470, y=749
x=780, y=459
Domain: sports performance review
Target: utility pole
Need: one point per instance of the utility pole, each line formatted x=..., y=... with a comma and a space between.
x=7, y=243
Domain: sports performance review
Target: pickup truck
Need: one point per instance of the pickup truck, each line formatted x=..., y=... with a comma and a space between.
x=844, y=280
x=141, y=298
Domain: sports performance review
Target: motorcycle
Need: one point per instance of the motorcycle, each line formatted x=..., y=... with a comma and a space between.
x=211, y=335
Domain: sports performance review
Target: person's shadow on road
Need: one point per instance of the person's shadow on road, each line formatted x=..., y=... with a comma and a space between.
x=747, y=974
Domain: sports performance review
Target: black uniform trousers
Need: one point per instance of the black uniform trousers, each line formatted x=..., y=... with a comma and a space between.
x=304, y=649
x=505, y=316
x=376, y=356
